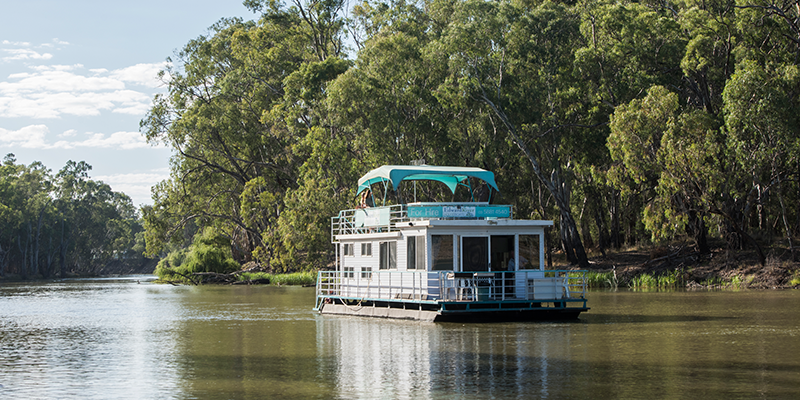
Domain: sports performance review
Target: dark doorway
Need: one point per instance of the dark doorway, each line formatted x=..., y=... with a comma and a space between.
x=475, y=253
x=502, y=254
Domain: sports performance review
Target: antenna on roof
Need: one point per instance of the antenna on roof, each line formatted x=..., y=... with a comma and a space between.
x=421, y=161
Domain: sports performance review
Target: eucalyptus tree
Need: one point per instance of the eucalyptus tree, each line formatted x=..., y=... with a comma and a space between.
x=240, y=102
x=730, y=143
x=97, y=225
x=25, y=207
x=674, y=159
x=515, y=59
x=67, y=216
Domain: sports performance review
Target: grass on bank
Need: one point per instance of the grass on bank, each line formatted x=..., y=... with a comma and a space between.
x=596, y=279
x=296, y=278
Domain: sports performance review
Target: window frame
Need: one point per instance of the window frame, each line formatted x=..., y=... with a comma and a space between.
x=348, y=246
x=366, y=249
x=415, y=253
x=387, y=262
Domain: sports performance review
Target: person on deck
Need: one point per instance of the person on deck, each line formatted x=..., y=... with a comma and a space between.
x=366, y=200
x=522, y=262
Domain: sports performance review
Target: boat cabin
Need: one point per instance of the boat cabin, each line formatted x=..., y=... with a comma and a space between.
x=442, y=260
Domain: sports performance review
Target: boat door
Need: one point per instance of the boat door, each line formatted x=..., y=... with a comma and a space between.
x=475, y=253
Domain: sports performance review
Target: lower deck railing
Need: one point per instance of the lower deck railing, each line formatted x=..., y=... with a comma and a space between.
x=451, y=286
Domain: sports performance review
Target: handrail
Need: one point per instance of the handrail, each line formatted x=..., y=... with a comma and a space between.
x=385, y=218
x=433, y=286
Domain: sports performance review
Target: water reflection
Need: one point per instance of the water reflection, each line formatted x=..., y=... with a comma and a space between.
x=394, y=359
x=61, y=340
x=123, y=339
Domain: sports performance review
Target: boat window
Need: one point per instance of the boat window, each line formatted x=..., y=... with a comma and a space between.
x=442, y=252
x=528, y=251
x=475, y=253
x=348, y=272
x=388, y=255
x=366, y=272
x=415, y=246
x=348, y=249
x=366, y=249
x=502, y=253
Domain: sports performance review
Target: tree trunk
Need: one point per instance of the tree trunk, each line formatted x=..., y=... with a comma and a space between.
x=602, y=231
x=697, y=230
x=2, y=262
x=36, y=239
x=586, y=232
x=48, y=268
x=741, y=232
x=554, y=185
x=616, y=242
x=23, y=250
x=786, y=225
x=63, y=251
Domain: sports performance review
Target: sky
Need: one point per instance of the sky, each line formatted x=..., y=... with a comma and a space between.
x=77, y=76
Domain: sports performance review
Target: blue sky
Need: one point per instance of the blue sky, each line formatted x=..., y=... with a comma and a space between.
x=76, y=77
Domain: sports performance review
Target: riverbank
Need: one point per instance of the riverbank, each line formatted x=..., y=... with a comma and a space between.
x=245, y=277
x=681, y=265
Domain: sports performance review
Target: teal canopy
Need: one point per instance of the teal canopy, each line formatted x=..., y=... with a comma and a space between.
x=450, y=176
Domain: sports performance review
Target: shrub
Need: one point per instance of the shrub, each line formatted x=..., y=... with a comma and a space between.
x=209, y=252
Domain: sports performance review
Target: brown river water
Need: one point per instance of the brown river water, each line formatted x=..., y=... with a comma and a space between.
x=127, y=338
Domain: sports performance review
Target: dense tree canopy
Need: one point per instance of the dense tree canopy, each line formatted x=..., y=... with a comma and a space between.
x=624, y=121
x=67, y=223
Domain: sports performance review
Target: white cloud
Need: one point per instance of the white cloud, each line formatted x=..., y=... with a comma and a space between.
x=34, y=137
x=117, y=140
x=141, y=74
x=55, y=90
x=58, y=78
x=29, y=137
x=25, y=54
x=120, y=140
x=9, y=43
x=137, y=185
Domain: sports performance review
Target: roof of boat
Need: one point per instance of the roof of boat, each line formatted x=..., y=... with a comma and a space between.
x=450, y=176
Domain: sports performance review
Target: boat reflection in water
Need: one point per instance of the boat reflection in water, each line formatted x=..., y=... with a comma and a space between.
x=375, y=358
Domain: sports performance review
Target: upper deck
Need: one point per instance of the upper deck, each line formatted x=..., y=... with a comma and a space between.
x=390, y=218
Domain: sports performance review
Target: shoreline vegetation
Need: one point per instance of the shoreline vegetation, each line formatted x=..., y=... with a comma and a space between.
x=682, y=266
x=639, y=268
x=661, y=138
x=241, y=278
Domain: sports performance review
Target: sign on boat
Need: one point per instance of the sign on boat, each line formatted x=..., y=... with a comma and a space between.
x=443, y=261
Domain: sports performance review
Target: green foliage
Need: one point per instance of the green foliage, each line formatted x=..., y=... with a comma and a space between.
x=795, y=279
x=209, y=252
x=630, y=121
x=62, y=223
x=670, y=279
x=596, y=279
x=292, y=279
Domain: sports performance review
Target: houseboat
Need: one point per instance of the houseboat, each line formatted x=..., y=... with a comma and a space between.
x=442, y=261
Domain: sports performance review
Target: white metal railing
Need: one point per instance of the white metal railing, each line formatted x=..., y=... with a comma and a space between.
x=367, y=220
x=378, y=285
x=384, y=219
x=452, y=286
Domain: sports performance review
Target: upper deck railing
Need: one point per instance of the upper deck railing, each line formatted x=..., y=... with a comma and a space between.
x=384, y=219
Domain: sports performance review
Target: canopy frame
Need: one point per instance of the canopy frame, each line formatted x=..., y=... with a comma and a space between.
x=450, y=176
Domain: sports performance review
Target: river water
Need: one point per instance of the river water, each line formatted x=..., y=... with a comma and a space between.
x=129, y=338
